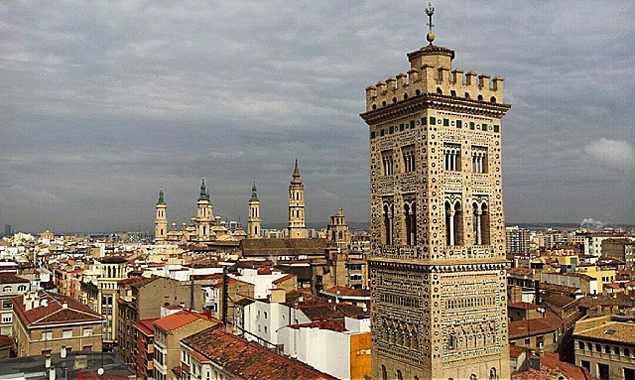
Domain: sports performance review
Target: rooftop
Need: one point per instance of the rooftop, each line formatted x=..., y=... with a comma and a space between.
x=180, y=319
x=32, y=367
x=53, y=308
x=248, y=360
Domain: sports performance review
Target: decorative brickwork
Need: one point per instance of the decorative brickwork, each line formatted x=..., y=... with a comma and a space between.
x=437, y=231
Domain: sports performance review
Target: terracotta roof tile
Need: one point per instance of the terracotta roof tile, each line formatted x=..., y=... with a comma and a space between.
x=146, y=326
x=54, y=312
x=525, y=328
x=247, y=360
x=180, y=319
x=344, y=291
x=10, y=278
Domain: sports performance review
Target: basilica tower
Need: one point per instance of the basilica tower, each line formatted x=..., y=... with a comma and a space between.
x=297, y=224
x=437, y=261
x=161, y=220
x=253, y=221
x=204, y=216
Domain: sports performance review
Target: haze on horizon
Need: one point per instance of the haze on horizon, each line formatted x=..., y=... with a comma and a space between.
x=104, y=103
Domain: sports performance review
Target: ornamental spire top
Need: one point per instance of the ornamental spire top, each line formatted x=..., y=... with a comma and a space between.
x=430, y=12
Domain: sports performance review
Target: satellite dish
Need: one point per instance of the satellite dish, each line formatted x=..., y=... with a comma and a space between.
x=100, y=371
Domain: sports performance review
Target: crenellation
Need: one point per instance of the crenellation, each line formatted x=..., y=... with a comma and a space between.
x=435, y=80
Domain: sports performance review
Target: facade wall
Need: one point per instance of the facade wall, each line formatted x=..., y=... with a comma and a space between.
x=591, y=354
x=437, y=262
x=38, y=341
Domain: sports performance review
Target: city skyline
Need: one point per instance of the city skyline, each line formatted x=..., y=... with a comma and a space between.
x=105, y=104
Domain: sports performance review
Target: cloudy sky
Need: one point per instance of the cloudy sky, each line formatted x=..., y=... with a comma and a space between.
x=102, y=103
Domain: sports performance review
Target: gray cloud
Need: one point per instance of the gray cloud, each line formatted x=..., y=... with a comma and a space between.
x=103, y=103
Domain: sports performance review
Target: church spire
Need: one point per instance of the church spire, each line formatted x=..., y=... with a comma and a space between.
x=254, y=192
x=296, y=175
x=161, y=201
x=204, y=196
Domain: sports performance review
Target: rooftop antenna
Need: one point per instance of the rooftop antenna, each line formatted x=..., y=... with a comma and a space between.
x=430, y=12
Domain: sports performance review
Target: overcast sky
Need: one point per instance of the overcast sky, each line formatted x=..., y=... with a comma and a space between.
x=102, y=103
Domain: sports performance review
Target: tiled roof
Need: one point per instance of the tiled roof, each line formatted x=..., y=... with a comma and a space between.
x=522, y=305
x=558, y=300
x=537, y=326
x=282, y=279
x=180, y=319
x=352, y=311
x=344, y=291
x=620, y=332
x=54, y=312
x=131, y=280
x=333, y=324
x=246, y=360
x=10, y=278
x=286, y=247
x=317, y=312
x=516, y=351
x=146, y=326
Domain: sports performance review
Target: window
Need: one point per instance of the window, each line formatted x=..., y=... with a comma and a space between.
x=47, y=335
x=67, y=333
x=387, y=160
x=6, y=304
x=388, y=222
x=87, y=331
x=480, y=223
x=22, y=288
x=7, y=318
x=7, y=289
x=452, y=157
x=399, y=375
x=627, y=352
x=586, y=364
x=384, y=374
x=453, y=222
x=410, y=209
x=479, y=159
x=409, y=160
x=87, y=348
x=581, y=345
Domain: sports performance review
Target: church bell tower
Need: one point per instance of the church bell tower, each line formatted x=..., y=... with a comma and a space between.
x=437, y=260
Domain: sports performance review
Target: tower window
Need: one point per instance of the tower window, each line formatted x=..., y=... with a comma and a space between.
x=409, y=158
x=480, y=222
x=411, y=222
x=453, y=222
x=492, y=99
x=387, y=160
x=452, y=157
x=479, y=159
x=388, y=222
x=439, y=91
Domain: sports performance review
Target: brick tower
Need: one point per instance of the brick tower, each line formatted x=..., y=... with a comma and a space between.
x=437, y=261
x=297, y=224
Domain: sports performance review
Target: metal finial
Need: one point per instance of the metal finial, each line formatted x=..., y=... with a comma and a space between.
x=430, y=12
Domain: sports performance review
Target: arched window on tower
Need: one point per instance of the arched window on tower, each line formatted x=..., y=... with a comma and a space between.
x=388, y=223
x=411, y=222
x=492, y=374
x=384, y=374
x=399, y=375
x=485, y=224
x=453, y=223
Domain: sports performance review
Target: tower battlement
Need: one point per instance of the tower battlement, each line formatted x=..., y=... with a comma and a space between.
x=432, y=73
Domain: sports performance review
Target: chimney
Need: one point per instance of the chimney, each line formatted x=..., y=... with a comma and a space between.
x=63, y=352
x=47, y=361
x=52, y=373
x=64, y=305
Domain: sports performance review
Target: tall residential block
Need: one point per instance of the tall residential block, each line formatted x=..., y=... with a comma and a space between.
x=437, y=261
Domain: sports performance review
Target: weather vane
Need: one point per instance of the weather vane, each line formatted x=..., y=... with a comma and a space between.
x=430, y=12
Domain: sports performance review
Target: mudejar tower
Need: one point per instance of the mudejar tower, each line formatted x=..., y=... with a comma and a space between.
x=437, y=264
